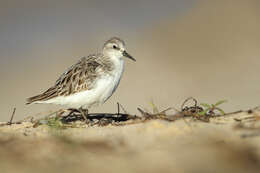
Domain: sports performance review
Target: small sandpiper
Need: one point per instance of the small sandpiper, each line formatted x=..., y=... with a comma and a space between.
x=89, y=82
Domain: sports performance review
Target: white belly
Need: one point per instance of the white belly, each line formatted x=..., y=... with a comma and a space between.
x=104, y=87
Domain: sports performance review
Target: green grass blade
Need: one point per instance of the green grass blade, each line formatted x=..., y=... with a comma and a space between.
x=204, y=112
x=220, y=102
x=221, y=111
x=205, y=105
x=154, y=107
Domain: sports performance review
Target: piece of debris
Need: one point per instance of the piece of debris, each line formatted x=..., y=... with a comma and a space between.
x=64, y=118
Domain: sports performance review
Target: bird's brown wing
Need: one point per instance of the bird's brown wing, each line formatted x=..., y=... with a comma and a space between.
x=78, y=77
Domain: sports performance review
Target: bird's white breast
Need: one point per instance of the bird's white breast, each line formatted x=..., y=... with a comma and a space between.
x=112, y=80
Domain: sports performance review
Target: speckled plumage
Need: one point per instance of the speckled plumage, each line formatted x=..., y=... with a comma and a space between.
x=77, y=78
x=90, y=81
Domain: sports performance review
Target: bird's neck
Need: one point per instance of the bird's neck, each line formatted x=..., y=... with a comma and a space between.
x=118, y=63
x=114, y=63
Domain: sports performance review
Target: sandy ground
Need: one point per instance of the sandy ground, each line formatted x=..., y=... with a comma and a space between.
x=222, y=145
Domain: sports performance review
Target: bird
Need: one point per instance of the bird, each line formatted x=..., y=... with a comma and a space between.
x=89, y=82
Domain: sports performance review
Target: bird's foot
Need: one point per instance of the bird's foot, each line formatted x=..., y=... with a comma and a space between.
x=84, y=114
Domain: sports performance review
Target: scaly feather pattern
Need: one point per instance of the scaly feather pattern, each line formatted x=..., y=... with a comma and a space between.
x=79, y=77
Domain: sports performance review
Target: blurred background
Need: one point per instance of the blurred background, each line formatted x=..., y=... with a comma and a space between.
x=206, y=49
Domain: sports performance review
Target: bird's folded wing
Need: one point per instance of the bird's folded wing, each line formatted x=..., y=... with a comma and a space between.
x=78, y=77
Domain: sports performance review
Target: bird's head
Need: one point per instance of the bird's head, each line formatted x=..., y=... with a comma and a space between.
x=115, y=47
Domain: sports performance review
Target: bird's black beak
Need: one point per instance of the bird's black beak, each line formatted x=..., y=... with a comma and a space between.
x=125, y=54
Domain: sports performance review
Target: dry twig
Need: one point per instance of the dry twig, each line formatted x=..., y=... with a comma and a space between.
x=11, y=120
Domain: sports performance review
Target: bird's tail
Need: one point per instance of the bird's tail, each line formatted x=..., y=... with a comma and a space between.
x=50, y=93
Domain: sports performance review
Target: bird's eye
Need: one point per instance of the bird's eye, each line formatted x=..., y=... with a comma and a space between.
x=114, y=47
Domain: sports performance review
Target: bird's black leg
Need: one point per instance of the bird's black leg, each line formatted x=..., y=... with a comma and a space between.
x=84, y=113
x=118, y=108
